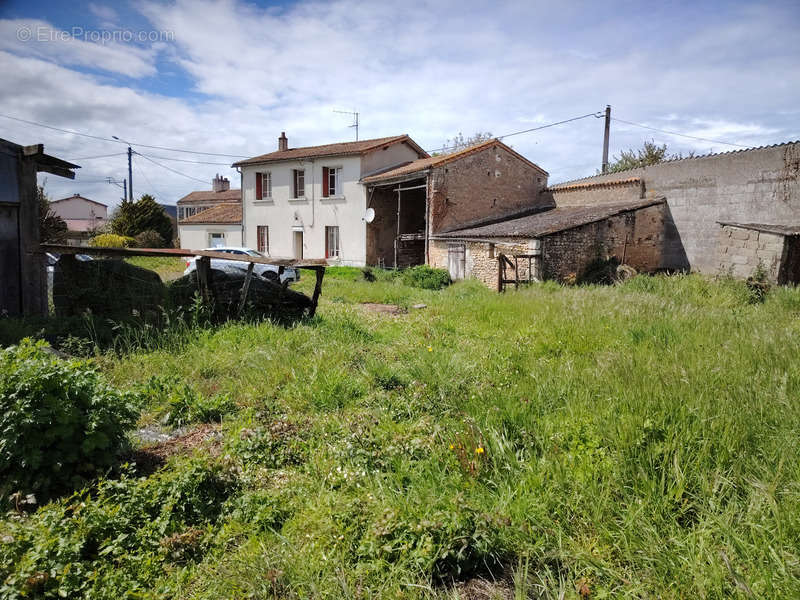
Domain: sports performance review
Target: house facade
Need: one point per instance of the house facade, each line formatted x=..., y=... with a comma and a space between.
x=310, y=203
x=81, y=214
x=213, y=227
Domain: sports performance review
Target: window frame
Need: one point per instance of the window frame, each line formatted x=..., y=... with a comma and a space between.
x=335, y=232
x=262, y=248
x=211, y=236
x=297, y=175
x=266, y=185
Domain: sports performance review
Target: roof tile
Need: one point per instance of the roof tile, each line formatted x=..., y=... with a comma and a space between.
x=224, y=214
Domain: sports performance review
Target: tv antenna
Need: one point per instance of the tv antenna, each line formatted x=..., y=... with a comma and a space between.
x=355, y=118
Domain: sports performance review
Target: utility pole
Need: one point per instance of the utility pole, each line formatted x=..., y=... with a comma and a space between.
x=355, y=118
x=130, y=167
x=124, y=183
x=605, y=139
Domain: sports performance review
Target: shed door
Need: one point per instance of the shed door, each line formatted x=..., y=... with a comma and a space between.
x=455, y=261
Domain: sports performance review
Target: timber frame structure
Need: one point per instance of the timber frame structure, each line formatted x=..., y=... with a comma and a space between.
x=204, y=272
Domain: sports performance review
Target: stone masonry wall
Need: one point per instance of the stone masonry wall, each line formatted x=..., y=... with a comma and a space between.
x=636, y=238
x=486, y=184
x=757, y=186
x=740, y=251
x=481, y=258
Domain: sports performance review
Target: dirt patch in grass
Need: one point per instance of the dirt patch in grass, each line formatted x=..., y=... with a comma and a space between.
x=386, y=309
x=479, y=588
x=151, y=458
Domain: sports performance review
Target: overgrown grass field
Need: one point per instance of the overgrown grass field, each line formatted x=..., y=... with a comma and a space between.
x=632, y=441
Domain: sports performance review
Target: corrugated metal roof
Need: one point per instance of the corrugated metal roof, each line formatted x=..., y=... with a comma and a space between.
x=674, y=160
x=550, y=221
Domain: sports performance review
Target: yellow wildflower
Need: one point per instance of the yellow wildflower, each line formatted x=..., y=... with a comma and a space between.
x=430, y=348
x=478, y=450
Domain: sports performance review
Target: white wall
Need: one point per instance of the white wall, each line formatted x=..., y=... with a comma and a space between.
x=396, y=154
x=313, y=213
x=78, y=208
x=195, y=236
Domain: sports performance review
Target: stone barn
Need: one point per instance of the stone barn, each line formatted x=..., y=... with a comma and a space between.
x=559, y=243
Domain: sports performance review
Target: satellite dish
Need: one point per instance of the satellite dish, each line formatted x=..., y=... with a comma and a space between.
x=369, y=216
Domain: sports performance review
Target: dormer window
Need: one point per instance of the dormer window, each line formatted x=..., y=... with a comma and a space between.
x=331, y=183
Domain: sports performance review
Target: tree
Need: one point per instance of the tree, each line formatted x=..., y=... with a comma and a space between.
x=650, y=154
x=132, y=218
x=52, y=228
x=458, y=142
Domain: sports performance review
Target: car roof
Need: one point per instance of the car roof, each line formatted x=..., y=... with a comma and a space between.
x=220, y=248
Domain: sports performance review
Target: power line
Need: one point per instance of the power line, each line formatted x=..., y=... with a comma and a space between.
x=170, y=168
x=691, y=137
x=99, y=156
x=500, y=137
x=194, y=162
x=105, y=139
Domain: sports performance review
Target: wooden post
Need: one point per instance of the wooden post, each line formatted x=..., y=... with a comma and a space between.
x=317, y=290
x=499, y=272
x=33, y=274
x=204, y=277
x=245, y=288
x=516, y=273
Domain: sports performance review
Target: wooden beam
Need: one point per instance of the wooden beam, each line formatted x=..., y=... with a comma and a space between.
x=204, y=277
x=317, y=291
x=245, y=288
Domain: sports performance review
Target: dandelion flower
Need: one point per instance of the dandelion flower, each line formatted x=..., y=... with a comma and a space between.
x=451, y=446
x=430, y=348
x=478, y=450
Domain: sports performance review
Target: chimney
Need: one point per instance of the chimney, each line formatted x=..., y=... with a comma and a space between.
x=220, y=184
x=283, y=142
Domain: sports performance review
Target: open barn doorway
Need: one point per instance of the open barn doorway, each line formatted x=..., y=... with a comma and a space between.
x=396, y=236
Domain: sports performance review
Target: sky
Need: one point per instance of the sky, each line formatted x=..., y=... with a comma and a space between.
x=221, y=79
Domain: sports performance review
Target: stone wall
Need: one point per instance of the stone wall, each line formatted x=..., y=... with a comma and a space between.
x=636, y=238
x=757, y=186
x=590, y=194
x=488, y=183
x=481, y=258
x=741, y=251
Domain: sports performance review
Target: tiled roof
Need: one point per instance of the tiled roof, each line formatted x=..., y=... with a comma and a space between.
x=211, y=196
x=674, y=160
x=224, y=214
x=339, y=149
x=436, y=161
x=787, y=230
x=78, y=197
x=550, y=221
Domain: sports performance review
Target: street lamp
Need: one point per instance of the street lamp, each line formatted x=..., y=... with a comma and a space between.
x=130, y=167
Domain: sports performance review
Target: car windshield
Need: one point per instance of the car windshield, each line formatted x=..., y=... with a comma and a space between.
x=254, y=253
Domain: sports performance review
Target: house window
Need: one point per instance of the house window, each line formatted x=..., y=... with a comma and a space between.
x=332, y=242
x=216, y=240
x=331, y=185
x=262, y=233
x=299, y=182
x=263, y=186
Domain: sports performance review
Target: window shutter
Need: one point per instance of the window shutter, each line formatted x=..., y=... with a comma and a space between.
x=259, y=191
x=325, y=182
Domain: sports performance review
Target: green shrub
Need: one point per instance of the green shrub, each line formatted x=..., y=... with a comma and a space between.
x=181, y=404
x=111, y=240
x=423, y=276
x=149, y=239
x=116, y=539
x=62, y=424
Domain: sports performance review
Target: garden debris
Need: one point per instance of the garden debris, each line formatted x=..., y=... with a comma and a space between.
x=264, y=297
x=150, y=458
x=388, y=309
x=479, y=588
x=420, y=305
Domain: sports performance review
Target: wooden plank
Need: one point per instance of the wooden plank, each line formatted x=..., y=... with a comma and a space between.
x=204, y=277
x=245, y=288
x=317, y=292
x=306, y=263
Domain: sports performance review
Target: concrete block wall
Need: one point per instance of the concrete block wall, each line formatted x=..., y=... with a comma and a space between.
x=488, y=183
x=761, y=185
x=740, y=251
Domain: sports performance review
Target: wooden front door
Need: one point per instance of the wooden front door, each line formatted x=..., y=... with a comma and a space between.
x=455, y=261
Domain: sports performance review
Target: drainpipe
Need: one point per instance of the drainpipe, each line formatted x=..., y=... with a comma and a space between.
x=313, y=192
x=241, y=191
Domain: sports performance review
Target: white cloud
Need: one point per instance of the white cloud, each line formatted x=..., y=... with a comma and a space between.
x=427, y=69
x=31, y=37
x=107, y=15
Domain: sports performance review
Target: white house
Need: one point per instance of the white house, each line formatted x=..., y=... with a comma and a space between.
x=309, y=202
x=212, y=227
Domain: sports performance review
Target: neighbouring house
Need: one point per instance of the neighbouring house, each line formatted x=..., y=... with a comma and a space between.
x=22, y=267
x=82, y=215
x=310, y=202
x=726, y=212
x=219, y=228
x=415, y=202
x=196, y=202
x=214, y=227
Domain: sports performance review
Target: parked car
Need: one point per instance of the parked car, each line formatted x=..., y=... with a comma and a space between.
x=271, y=272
